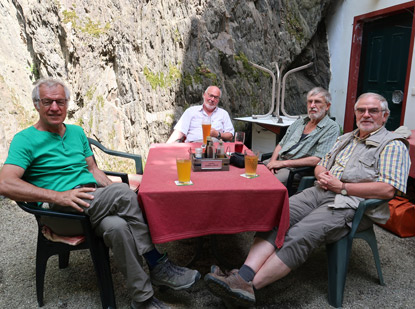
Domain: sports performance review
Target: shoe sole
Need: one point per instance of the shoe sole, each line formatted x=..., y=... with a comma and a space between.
x=222, y=290
x=175, y=287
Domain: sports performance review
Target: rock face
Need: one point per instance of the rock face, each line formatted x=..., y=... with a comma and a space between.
x=134, y=66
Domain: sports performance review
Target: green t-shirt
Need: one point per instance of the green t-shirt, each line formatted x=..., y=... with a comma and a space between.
x=51, y=161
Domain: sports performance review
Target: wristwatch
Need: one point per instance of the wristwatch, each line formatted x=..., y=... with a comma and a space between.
x=219, y=135
x=343, y=190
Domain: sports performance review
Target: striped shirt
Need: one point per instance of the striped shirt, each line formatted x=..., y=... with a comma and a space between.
x=394, y=162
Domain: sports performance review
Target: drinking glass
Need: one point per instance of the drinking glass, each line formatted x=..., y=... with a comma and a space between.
x=184, y=166
x=206, y=126
x=251, y=163
x=239, y=141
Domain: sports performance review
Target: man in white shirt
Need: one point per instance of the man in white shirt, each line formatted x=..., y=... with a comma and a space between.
x=189, y=125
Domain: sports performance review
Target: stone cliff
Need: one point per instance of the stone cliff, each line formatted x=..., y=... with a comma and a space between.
x=134, y=66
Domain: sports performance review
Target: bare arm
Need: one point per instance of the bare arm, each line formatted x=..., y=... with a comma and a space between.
x=319, y=170
x=176, y=135
x=14, y=187
x=307, y=161
x=225, y=136
x=378, y=190
x=99, y=175
x=276, y=153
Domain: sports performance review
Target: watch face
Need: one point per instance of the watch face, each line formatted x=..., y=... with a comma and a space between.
x=343, y=192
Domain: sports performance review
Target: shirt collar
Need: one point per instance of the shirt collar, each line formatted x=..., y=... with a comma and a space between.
x=203, y=111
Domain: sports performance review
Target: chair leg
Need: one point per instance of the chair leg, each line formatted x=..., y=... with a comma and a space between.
x=337, y=256
x=370, y=237
x=100, y=258
x=42, y=257
x=64, y=259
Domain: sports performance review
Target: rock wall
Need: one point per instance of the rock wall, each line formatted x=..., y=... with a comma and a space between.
x=134, y=66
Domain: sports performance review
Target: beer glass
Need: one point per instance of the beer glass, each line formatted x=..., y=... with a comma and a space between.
x=239, y=141
x=184, y=166
x=206, y=125
x=251, y=163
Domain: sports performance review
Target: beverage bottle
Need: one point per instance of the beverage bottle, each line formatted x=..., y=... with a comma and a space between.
x=220, y=152
x=210, y=148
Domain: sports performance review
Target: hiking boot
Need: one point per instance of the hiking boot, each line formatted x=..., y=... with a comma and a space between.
x=214, y=269
x=176, y=277
x=231, y=288
x=151, y=303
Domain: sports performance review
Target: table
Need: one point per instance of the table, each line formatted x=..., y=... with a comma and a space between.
x=219, y=202
x=411, y=141
x=266, y=131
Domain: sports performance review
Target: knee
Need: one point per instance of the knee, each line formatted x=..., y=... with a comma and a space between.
x=113, y=228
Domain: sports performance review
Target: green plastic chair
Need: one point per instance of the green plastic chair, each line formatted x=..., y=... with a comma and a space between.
x=338, y=253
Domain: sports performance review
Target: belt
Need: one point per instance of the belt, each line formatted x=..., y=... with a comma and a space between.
x=87, y=185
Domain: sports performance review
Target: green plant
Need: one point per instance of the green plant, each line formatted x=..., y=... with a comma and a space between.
x=161, y=80
x=86, y=25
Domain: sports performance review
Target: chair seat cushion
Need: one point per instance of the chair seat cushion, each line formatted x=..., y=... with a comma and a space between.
x=69, y=240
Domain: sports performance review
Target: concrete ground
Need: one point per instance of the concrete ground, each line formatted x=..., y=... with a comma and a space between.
x=306, y=287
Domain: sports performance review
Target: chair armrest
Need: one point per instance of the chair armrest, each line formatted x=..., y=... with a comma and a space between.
x=306, y=182
x=300, y=169
x=361, y=209
x=51, y=213
x=123, y=176
x=266, y=156
x=135, y=157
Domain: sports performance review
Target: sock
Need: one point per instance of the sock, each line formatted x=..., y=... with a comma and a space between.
x=247, y=273
x=152, y=257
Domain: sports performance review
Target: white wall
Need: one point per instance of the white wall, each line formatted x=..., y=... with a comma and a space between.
x=340, y=30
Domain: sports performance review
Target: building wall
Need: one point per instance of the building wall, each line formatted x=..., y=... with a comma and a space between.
x=340, y=31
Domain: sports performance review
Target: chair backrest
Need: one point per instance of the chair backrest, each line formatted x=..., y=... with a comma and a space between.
x=137, y=158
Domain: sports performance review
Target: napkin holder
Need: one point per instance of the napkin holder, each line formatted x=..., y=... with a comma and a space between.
x=210, y=165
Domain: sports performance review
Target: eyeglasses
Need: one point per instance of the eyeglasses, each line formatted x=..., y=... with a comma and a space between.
x=371, y=111
x=211, y=96
x=49, y=102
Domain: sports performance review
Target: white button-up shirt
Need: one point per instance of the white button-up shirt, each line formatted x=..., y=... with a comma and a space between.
x=190, y=124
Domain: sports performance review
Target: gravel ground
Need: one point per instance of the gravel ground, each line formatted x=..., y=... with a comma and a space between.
x=75, y=286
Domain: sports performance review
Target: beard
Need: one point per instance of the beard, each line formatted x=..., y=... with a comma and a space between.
x=318, y=115
x=209, y=107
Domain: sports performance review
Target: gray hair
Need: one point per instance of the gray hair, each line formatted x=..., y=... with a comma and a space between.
x=383, y=102
x=50, y=83
x=321, y=91
x=220, y=91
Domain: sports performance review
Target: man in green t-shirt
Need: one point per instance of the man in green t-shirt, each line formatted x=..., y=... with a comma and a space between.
x=51, y=162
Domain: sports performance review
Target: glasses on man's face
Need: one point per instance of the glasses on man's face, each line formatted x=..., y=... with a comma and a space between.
x=49, y=102
x=214, y=97
x=371, y=111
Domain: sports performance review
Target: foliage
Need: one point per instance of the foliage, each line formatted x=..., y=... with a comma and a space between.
x=86, y=25
x=161, y=80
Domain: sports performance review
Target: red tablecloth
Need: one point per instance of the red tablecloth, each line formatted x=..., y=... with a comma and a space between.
x=411, y=141
x=219, y=202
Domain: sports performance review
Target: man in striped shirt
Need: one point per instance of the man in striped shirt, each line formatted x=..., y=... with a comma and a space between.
x=370, y=162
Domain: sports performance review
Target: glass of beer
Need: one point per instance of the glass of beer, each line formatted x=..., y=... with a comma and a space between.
x=251, y=163
x=239, y=141
x=206, y=125
x=184, y=166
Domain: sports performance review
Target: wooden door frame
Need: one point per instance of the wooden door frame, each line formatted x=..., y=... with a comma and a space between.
x=355, y=59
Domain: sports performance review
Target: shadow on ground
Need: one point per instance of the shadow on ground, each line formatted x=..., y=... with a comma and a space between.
x=306, y=287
